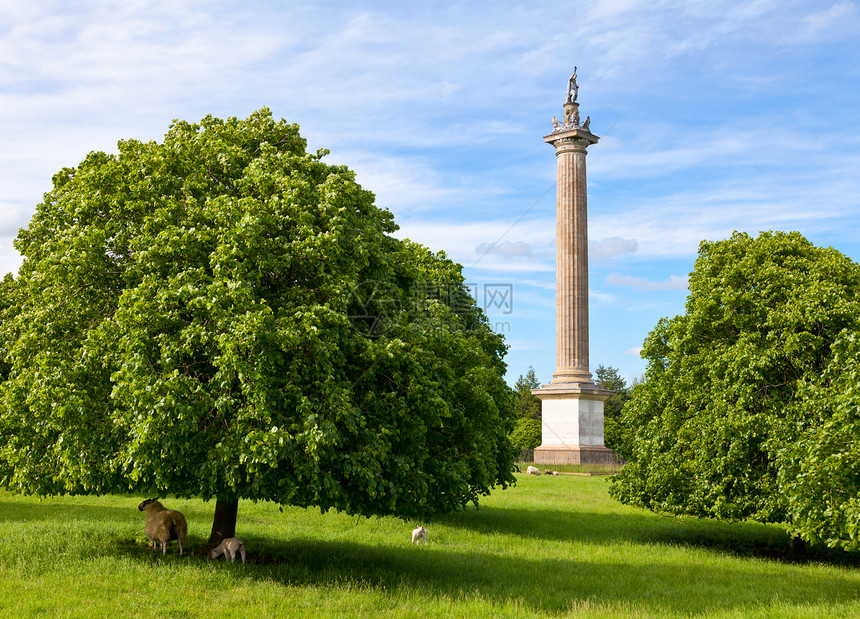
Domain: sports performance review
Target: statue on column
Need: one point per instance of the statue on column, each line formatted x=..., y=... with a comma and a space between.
x=572, y=88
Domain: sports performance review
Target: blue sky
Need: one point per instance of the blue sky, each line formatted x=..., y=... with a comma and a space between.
x=713, y=116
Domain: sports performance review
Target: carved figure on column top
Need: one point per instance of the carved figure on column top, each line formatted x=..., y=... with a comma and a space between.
x=572, y=120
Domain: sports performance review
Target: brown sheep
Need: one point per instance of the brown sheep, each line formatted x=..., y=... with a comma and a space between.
x=163, y=525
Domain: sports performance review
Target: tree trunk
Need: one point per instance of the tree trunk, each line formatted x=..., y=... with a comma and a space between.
x=223, y=524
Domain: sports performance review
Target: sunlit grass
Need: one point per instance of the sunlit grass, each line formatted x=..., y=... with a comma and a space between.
x=549, y=546
x=582, y=469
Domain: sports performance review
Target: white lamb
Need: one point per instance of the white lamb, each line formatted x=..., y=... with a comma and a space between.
x=419, y=534
x=532, y=470
x=230, y=547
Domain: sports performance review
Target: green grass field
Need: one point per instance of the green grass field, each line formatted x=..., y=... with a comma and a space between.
x=549, y=546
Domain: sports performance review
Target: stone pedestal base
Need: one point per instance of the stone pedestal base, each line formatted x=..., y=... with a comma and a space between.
x=572, y=422
x=574, y=455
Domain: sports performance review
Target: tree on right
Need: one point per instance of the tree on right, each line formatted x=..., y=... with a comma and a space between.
x=750, y=404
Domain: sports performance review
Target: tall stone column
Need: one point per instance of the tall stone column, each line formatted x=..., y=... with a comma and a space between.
x=571, y=254
x=571, y=404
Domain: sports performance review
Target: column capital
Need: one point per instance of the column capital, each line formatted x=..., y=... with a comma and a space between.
x=576, y=139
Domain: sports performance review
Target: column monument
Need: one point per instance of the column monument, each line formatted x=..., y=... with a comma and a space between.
x=571, y=404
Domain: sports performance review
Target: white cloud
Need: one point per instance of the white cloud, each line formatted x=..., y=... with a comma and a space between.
x=540, y=284
x=673, y=222
x=731, y=143
x=833, y=13
x=641, y=284
x=400, y=184
x=460, y=240
x=840, y=18
x=505, y=248
x=602, y=297
x=13, y=217
x=633, y=352
x=10, y=260
x=611, y=9
x=102, y=54
x=610, y=247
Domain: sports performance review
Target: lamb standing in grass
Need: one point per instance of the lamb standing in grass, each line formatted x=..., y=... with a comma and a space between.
x=230, y=547
x=163, y=525
x=419, y=534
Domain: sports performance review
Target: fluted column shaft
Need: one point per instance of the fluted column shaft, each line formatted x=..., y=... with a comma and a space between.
x=571, y=267
x=571, y=256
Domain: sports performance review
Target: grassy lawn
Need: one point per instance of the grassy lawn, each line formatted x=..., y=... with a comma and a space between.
x=579, y=469
x=549, y=546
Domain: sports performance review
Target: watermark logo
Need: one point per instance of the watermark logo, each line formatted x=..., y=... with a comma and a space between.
x=378, y=306
x=499, y=297
x=373, y=305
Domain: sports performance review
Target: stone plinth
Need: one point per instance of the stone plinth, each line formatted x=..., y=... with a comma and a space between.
x=575, y=455
x=572, y=420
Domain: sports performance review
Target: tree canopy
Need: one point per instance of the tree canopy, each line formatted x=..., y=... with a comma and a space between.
x=610, y=378
x=224, y=315
x=527, y=405
x=750, y=406
x=527, y=433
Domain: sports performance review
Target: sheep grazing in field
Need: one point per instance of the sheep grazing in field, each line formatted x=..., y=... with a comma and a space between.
x=548, y=472
x=163, y=525
x=532, y=470
x=419, y=534
x=230, y=547
x=555, y=473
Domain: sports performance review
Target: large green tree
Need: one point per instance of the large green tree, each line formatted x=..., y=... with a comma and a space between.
x=750, y=406
x=223, y=315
